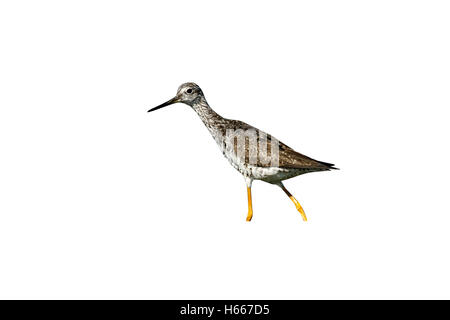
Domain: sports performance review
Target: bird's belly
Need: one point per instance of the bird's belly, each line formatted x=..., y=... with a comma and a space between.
x=268, y=174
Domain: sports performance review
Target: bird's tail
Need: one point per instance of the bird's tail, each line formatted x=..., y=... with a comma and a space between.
x=328, y=165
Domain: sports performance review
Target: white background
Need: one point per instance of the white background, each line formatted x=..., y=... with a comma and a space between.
x=100, y=199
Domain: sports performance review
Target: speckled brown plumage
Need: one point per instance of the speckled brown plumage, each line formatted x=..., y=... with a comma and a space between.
x=288, y=158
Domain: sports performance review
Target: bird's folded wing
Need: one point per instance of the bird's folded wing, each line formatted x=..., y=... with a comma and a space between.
x=288, y=158
x=291, y=159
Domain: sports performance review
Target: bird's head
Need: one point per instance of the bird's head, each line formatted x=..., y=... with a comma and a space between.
x=187, y=93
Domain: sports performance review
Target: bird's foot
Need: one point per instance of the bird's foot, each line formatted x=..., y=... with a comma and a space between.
x=249, y=216
x=299, y=208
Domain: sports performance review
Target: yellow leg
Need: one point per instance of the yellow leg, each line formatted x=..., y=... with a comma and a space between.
x=250, y=209
x=299, y=208
x=297, y=204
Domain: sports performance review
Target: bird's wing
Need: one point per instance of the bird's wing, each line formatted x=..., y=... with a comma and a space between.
x=291, y=159
x=288, y=157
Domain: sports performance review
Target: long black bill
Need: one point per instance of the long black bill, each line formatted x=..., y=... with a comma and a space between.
x=165, y=104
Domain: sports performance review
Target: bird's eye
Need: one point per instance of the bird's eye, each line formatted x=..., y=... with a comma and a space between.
x=189, y=91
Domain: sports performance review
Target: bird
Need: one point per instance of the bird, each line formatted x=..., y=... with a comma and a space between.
x=254, y=153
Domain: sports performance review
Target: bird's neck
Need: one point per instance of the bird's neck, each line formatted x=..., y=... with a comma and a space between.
x=209, y=117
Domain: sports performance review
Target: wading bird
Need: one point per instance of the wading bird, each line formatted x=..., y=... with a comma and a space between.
x=255, y=154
